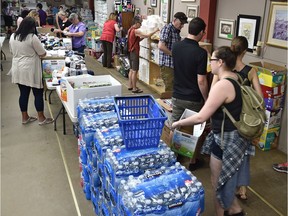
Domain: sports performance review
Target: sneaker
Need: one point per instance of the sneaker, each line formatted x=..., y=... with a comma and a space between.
x=281, y=167
x=199, y=163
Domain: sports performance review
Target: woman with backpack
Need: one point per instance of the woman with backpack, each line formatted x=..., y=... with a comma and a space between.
x=239, y=46
x=226, y=155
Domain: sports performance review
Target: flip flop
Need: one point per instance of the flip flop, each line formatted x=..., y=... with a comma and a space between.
x=137, y=91
x=29, y=120
x=130, y=89
x=46, y=121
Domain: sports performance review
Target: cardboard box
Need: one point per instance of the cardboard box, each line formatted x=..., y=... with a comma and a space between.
x=45, y=30
x=168, y=110
x=269, y=139
x=274, y=103
x=269, y=92
x=49, y=65
x=165, y=136
x=270, y=75
x=185, y=143
x=74, y=94
x=273, y=118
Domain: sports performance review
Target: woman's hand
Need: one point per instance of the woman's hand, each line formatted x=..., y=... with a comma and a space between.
x=175, y=125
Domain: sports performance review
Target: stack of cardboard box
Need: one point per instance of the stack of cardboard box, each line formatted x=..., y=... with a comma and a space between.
x=272, y=80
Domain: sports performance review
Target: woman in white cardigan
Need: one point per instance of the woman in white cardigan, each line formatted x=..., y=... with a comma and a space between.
x=26, y=69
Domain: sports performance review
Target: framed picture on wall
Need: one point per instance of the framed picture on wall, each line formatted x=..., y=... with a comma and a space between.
x=164, y=10
x=248, y=26
x=226, y=28
x=153, y=3
x=192, y=12
x=277, y=33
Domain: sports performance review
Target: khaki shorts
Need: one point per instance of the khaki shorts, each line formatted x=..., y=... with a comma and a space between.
x=167, y=74
x=180, y=105
x=134, y=61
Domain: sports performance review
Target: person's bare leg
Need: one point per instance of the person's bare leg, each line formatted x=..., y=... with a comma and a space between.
x=235, y=207
x=41, y=116
x=25, y=116
x=130, y=78
x=134, y=80
x=215, y=167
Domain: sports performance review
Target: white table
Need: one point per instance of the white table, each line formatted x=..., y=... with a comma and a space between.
x=64, y=109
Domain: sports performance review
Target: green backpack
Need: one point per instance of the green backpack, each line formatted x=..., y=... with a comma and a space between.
x=252, y=118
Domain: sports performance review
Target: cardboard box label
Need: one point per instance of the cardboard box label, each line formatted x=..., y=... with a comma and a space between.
x=273, y=119
x=274, y=103
x=184, y=143
x=269, y=139
x=48, y=66
x=269, y=92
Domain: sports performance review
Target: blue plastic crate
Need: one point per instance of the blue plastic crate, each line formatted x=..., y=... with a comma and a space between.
x=141, y=120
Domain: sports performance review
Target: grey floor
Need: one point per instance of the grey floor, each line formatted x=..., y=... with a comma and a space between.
x=40, y=169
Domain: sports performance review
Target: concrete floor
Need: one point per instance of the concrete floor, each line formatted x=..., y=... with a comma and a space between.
x=40, y=168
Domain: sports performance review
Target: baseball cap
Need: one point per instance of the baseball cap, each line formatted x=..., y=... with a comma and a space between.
x=182, y=17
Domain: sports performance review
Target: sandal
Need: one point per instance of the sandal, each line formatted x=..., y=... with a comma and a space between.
x=130, y=89
x=29, y=120
x=241, y=196
x=137, y=91
x=46, y=121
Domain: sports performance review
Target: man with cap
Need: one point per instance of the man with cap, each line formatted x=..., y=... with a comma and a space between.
x=168, y=36
x=190, y=89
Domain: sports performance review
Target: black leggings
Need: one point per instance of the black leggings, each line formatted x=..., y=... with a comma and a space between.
x=24, y=98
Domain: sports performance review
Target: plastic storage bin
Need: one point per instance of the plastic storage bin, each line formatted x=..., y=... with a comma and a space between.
x=141, y=121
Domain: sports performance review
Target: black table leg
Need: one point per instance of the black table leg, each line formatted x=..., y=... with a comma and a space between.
x=49, y=97
x=45, y=94
x=58, y=114
x=64, y=122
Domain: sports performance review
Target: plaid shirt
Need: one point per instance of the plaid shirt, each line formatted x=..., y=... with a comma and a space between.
x=168, y=35
x=234, y=149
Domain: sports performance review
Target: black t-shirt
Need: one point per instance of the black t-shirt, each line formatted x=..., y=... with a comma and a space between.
x=189, y=60
x=64, y=25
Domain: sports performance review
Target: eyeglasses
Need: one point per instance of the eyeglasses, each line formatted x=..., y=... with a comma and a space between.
x=216, y=59
x=182, y=22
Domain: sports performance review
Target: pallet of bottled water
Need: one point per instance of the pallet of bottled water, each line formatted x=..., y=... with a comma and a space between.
x=94, y=105
x=166, y=191
x=120, y=163
x=90, y=122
